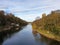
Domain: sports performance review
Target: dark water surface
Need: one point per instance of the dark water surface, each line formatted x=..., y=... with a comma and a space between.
x=26, y=37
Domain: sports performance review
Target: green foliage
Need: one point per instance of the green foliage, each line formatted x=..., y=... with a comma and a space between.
x=7, y=19
x=51, y=22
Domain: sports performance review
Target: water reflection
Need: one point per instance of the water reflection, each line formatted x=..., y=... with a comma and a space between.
x=25, y=37
x=6, y=34
x=40, y=38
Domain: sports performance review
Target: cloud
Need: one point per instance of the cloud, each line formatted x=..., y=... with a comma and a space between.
x=29, y=8
x=30, y=17
x=27, y=5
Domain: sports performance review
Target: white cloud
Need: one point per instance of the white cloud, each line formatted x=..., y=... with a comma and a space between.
x=29, y=17
x=34, y=7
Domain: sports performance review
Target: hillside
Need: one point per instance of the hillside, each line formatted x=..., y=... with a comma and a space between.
x=8, y=20
x=48, y=25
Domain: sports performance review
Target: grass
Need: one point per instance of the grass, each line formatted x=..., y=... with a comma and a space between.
x=49, y=34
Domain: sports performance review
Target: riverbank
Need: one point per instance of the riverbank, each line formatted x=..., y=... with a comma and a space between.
x=9, y=21
x=48, y=25
x=10, y=28
x=6, y=28
x=47, y=34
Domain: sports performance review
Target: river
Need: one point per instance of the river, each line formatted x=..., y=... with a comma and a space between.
x=25, y=37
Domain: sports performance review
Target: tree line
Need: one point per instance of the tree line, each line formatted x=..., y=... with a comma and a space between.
x=50, y=22
x=8, y=18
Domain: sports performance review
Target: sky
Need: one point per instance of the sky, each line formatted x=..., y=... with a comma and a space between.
x=29, y=9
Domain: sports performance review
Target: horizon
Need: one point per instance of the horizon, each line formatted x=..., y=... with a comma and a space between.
x=29, y=9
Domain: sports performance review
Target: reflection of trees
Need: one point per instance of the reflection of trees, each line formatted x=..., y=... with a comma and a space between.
x=54, y=43
x=6, y=34
x=37, y=37
x=1, y=39
x=45, y=40
x=2, y=36
x=49, y=41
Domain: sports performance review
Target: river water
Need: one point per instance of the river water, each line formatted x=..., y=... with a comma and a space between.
x=26, y=37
